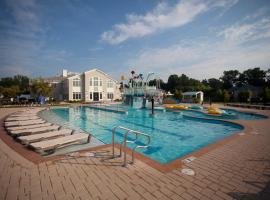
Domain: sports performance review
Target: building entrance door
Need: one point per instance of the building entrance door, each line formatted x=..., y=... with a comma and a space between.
x=96, y=96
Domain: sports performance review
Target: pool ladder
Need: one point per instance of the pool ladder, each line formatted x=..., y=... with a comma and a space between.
x=125, y=141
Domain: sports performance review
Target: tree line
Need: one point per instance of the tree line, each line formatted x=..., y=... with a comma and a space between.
x=11, y=87
x=223, y=89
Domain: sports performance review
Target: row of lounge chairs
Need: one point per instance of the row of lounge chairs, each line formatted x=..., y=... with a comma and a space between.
x=43, y=137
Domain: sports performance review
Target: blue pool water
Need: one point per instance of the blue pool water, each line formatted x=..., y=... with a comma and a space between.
x=172, y=134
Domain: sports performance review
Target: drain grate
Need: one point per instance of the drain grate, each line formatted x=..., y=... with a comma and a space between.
x=188, y=172
x=189, y=159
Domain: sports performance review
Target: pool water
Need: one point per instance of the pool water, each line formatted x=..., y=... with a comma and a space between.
x=172, y=134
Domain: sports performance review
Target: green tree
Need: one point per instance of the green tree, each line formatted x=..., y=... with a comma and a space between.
x=226, y=96
x=39, y=87
x=18, y=84
x=213, y=89
x=265, y=95
x=17, y=81
x=22, y=82
x=6, y=82
x=215, y=83
x=255, y=76
x=159, y=83
x=178, y=94
x=229, y=78
x=10, y=92
x=244, y=96
x=172, y=83
x=268, y=78
x=218, y=95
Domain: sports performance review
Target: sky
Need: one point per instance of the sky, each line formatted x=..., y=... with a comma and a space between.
x=200, y=38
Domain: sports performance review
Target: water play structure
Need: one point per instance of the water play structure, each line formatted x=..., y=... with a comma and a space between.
x=138, y=93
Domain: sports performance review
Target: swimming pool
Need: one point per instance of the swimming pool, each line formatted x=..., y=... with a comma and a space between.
x=172, y=134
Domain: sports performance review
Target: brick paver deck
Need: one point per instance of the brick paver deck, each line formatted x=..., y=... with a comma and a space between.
x=239, y=169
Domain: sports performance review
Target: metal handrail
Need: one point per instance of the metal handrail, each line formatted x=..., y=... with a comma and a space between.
x=125, y=141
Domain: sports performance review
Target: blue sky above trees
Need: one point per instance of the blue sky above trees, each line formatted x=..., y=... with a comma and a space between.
x=198, y=38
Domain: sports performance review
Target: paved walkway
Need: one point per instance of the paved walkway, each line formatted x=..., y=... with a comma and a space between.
x=239, y=169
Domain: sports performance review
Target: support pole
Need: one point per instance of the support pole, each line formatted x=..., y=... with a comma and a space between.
x=152, y=101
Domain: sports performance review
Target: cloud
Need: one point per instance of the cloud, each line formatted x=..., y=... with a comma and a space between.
x=25, y=15
x=162, y=17
x=241, y=33
x=21, y=36
x=201, y=58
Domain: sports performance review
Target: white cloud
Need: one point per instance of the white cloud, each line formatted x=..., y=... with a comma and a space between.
x=209, y=58
x=241, y=33
x=160, y=18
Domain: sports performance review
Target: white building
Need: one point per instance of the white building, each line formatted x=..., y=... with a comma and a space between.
x=90, y=86
x=189, y=97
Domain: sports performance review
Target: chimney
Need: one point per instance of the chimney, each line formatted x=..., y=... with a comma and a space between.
x=65, y=73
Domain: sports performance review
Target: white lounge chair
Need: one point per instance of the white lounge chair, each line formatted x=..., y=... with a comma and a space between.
x=14, y=128
x=44, y=136
x=10, y=119
x=33, y=130
x=24, y=123
x=23, y=115
x=49, y=146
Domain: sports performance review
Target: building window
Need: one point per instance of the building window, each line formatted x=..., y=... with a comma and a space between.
x=109, y=95
x=95, y=81
x=91, y=81
x=100, y=95
x=76, y=82
x=91, y=95
x=77, y=96
x=100, y=82
x=110, y=84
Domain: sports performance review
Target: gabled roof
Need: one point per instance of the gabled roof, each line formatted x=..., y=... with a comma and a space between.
x=97, y=70
x=74, y=76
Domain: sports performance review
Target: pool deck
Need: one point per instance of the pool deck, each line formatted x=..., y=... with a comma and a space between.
x=236, y=169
